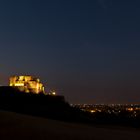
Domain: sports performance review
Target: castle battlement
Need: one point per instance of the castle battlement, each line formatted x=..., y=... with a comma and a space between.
x=27, y=84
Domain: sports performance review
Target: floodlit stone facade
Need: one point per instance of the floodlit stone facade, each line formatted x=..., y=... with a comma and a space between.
x=27, y=84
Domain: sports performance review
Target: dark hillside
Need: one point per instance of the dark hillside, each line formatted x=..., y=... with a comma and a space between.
x=54, y=107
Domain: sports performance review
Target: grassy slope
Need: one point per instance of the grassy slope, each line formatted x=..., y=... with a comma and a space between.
x=20, y=127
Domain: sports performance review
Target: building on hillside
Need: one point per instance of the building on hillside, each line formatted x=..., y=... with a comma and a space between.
x=27, y=84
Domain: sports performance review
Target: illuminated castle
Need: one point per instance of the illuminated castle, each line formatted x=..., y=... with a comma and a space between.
x=27, y=84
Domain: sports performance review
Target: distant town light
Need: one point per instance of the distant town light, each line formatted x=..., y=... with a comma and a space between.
x=130, y=109
x=53, y=93
x=93, y=111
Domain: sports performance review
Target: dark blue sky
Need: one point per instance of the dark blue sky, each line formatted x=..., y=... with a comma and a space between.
x=88, y=50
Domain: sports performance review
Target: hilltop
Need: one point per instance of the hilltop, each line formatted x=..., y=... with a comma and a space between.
x=47, y=106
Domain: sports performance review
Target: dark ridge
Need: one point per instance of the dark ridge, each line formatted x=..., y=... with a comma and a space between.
x=55, y=107
x=49, y=106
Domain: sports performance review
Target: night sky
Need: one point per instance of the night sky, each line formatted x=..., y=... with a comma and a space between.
x=87, y=50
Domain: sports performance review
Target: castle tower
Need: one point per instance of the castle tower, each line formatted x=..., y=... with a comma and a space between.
x=27, y=84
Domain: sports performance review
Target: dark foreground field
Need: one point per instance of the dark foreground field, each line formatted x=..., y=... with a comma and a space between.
x=15, y=126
